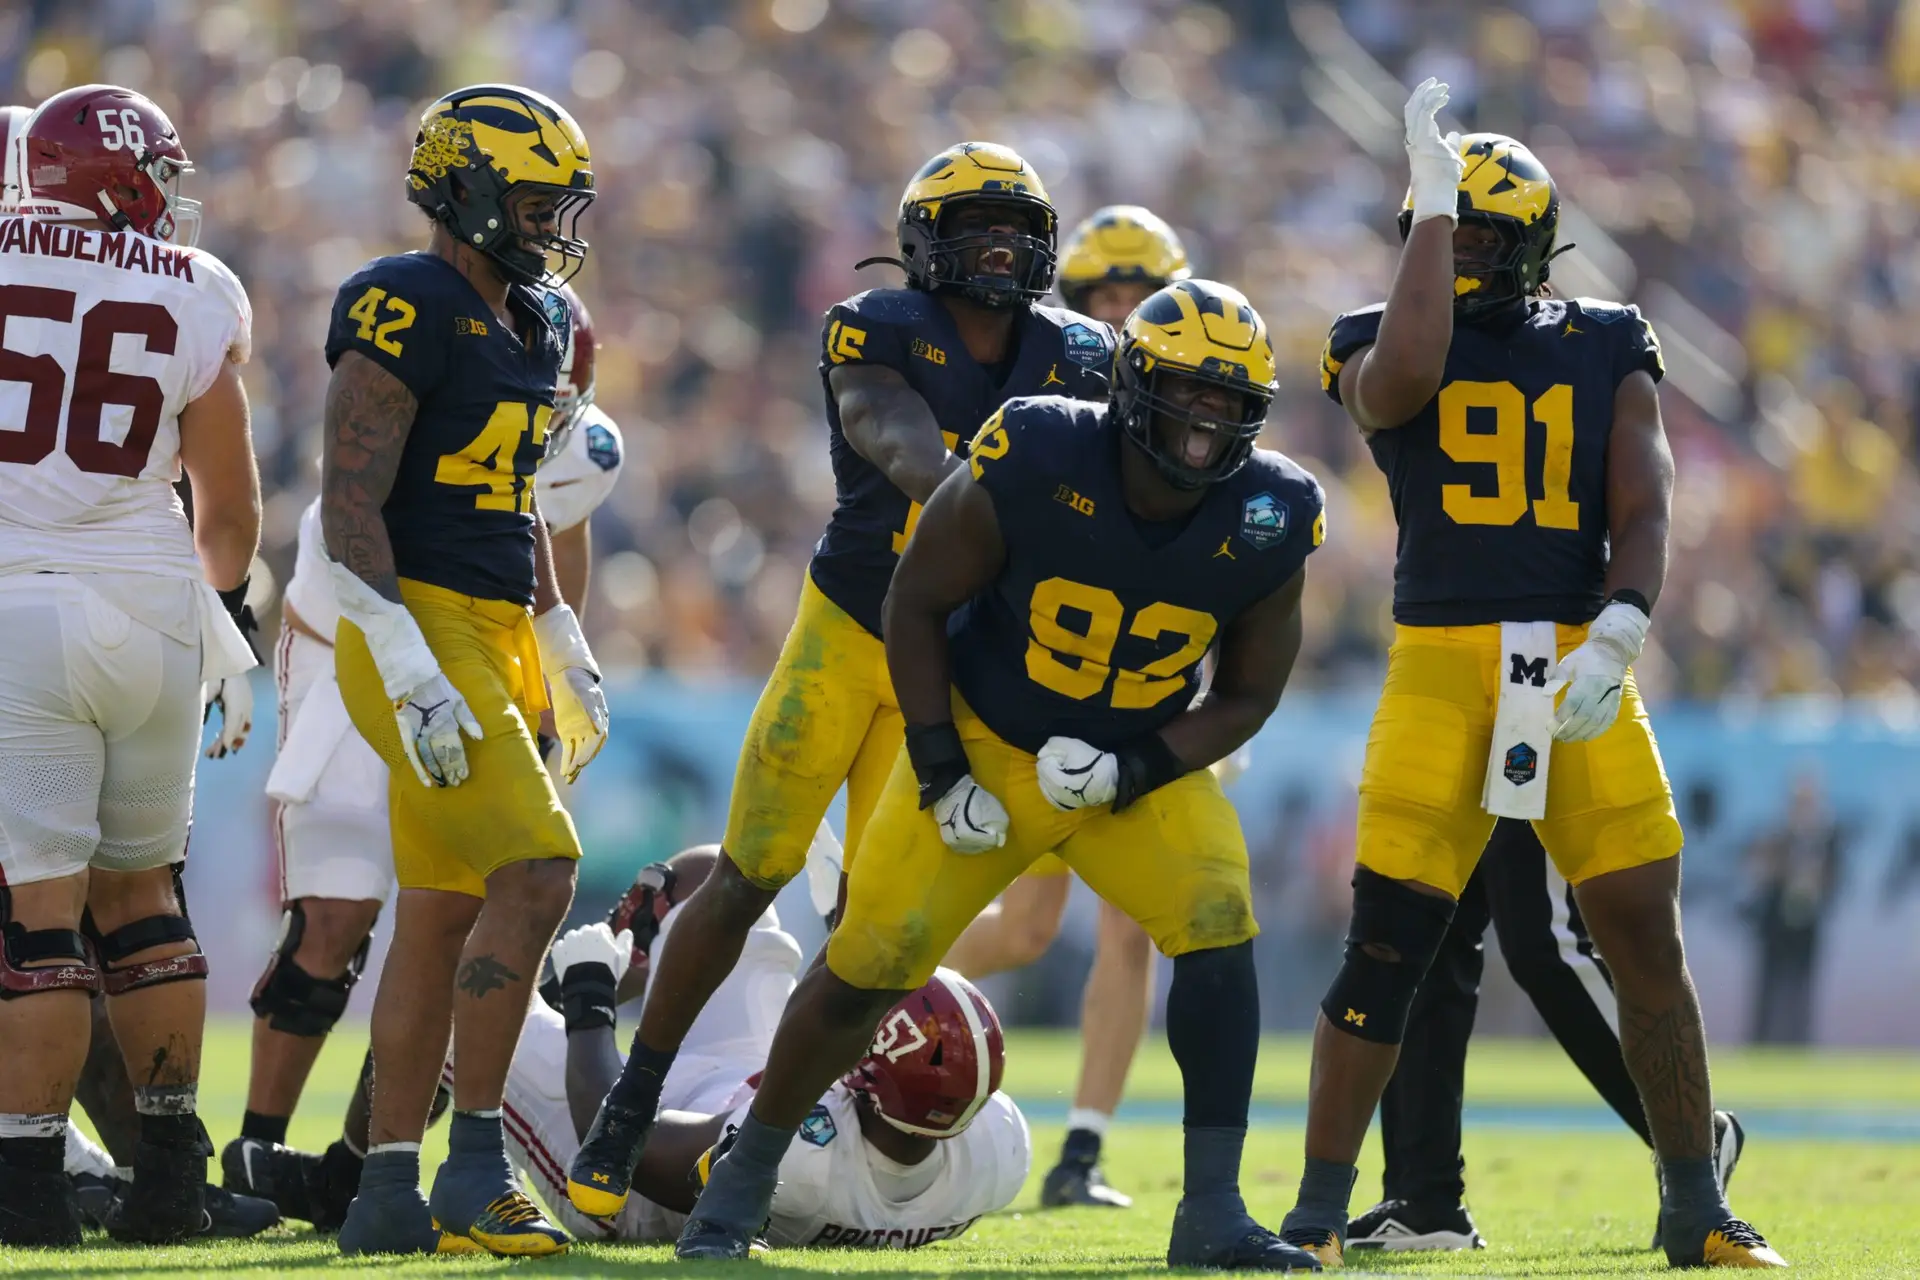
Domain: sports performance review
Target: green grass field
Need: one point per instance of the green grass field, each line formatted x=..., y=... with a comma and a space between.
x=1573, y=1200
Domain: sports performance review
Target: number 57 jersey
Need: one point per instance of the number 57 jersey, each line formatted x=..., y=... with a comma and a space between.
x=1499, y=483
x=105, y=336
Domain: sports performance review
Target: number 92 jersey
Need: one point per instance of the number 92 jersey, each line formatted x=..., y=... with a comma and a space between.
x=460, y=514
x=1499, y=483
x=1052, y=352
x=1097, y=622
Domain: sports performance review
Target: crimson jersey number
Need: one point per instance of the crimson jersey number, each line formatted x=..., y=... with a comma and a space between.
x=95, y=385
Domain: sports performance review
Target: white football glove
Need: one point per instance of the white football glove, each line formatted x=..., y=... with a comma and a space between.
x=971, y=819
x=1433, y=159
x=1076, y=775
x=594, y=943
x=234, y=696
x=1596, y=672
x=579, y=707
x=431, y=713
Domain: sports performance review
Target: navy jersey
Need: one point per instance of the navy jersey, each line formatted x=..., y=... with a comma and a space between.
x=460, y=514
x=911, y=332
x=1499, y=483
x=1096, y=625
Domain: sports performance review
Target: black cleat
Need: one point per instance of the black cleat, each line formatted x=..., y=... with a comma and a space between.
x=167, y=1202
x=1075, y=1182
x=312, y=1188
x=95, y=1194
x=1216, y=1232
x=237, y=1217
x=1403, y=1225
x=38, y=1208
x=1729, y=1140
x=602, y=1172
x=710, y=1241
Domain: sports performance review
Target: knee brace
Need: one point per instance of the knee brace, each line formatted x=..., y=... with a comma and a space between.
x=137, y=936
x=1395, y=934
x=20, y=946
x=293, y=1000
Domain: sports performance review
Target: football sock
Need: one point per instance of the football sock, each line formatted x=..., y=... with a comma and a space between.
x=740, y=1191
x=1692, y=1194
x=261, y=1128
x=1081, y=1147
x=38, y=1154
x=1213, y=1160
x=1213, y=1028
x=638, y=1088
x=1325, y=1190
x=389, y=1167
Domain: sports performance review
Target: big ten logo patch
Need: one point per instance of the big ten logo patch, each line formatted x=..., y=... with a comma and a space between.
x=927, y=351
x=1066, y=494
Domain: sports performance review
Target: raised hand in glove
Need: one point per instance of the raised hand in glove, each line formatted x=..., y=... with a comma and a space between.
x=589, y=962
x=1596, y=672
x=1433, y=158
x=579, y=707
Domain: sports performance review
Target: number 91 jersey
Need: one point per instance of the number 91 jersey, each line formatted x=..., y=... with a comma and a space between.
x=1499, y=483
x=460, y=514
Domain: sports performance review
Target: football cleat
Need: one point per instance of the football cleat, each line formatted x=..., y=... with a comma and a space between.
x=1403, y=1225
x=38, y=1209
x=602, y=1172
x=710, y=1241
x=1731, y=1244
x=1216, y=1232
x=166, y=1201
x=1075, y=1182
x=1323, y=1246
x=399, y=1224
x=1729, y=1140
x=512, y=1226
x=237, y=1217
x=312, y=1188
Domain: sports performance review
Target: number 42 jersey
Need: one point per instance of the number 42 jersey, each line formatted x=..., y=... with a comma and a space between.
x=105, y=337
x=1499, y=483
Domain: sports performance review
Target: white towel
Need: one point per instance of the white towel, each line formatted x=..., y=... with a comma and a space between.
x=1516, y=782
x=316, y=732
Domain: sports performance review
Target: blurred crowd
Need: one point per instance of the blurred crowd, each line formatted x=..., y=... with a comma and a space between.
x=1756, y=160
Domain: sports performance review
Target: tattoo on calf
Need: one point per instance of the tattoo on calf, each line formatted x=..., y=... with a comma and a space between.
x=368, y=415
x=483, y=974
x=1666, y=1054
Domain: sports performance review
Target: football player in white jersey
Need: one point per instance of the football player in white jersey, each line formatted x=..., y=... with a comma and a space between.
x=330, y=793
x=119, y=367
x=915, y=1145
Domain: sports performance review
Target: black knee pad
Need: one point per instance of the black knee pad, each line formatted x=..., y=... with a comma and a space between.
x=1395, y=934
x=135, y=937
x=293, y=1000
x=21, y=946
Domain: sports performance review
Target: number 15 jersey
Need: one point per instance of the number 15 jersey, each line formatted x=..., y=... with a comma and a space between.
x=105, y=336
x=1499, y=483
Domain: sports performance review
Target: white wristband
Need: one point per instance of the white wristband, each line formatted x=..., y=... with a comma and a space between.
x=400, y=651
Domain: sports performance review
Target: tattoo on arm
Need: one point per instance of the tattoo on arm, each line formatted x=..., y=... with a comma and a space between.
x=369, y=413
x=484, y=974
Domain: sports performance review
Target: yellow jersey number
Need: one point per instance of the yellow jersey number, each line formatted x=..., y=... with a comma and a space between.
x=1505, y=449
x=488, y=458
x=380, y=332
x=1051, y=644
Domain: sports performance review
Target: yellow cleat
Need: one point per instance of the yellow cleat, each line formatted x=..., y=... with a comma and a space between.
x=1323, y=1245
x=513, y=1227
x=450, y=1243
x=1735, y=1244
x=596, y=1202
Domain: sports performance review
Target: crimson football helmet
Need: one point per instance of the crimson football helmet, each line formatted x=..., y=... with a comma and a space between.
x=643, y=906
x=936, y=1058
x=13, y=121
x=574, y=392
x=100, y=151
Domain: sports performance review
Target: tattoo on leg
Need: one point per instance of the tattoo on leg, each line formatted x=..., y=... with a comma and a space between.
x=1666, y=1054
x=482, y=974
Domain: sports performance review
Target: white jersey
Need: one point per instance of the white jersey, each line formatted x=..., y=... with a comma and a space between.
x=834, y=1187
x=123, y=332
x=568, y=488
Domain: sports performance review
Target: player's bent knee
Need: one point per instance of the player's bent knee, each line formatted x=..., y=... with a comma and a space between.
x=1395, y=934
x=36, y=961
x=291, y=999
x=736, y=893
x=151, y=951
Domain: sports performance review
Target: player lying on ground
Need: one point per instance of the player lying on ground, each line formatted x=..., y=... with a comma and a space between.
x=1501, y=597
x=1093, y=554
x=913, y=1146
x=335, y=848
x=1114, y=259
x=113, y=627
x=1545, y=945
x=909, y=376
x=453, y=639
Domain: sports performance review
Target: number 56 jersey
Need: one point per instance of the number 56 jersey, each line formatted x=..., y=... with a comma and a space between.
x=1499, y=483
x=460, y=514
x=105, y=336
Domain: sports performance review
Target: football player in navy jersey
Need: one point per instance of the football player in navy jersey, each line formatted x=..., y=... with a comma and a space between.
x=451, y=628
x=1114, y=260
x=1083, y=561
x=909, y=375
x=1532, y=482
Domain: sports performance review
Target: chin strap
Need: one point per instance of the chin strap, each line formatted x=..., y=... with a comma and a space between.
x=867, y=262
